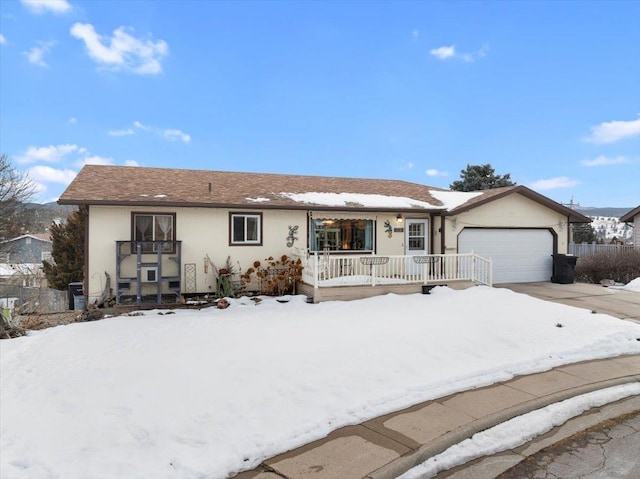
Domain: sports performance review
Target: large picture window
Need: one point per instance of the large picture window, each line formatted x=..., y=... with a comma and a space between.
x=341, y=234
x=149, y=227
x=245, y=228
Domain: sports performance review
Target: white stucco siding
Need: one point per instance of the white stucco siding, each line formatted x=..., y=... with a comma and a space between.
x=203, y=232
x=513, y=211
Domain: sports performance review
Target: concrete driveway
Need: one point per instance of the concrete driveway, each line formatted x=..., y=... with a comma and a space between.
x=606, y=300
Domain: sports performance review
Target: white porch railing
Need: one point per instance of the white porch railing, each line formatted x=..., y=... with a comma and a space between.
x=326, y=270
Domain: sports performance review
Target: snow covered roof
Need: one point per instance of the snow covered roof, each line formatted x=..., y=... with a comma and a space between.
x=138, y=186
x=11, y=269
x=37, y=236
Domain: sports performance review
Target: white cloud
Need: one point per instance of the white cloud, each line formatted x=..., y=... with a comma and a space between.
x=73, y=121
x=434, y=172
x=131, y=163
x=35, y=54
x=605, y=161
x=137, y=124
x=51, y=153
x=483, y=52
x=122, y=51
x=443, y=52
x=176, y=135
x=2, y=39
x=554, y=183
x=43, y=6
x=126, y=132
x=612, y=131
x=41, y=173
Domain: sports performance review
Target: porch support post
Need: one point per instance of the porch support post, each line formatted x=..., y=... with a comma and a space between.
x=139, y=273
x=159, y=274
x=316, y=265
x=473, y=266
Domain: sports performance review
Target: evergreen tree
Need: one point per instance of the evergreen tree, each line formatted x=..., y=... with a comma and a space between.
x=480, y=177
x=67, y=252
x=584, y=233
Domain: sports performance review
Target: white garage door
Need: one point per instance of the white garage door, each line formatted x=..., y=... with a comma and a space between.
x=519, y=255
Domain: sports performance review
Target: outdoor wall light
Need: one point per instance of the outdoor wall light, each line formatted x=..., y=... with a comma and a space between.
x=399, y=218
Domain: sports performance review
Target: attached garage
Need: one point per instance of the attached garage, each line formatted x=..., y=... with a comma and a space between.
x=519, y=255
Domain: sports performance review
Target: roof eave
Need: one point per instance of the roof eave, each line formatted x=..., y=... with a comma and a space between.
x=574, y=216
x=629, y=217
x=256, y=206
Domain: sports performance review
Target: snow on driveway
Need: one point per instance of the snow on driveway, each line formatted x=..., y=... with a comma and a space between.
x=211, y=392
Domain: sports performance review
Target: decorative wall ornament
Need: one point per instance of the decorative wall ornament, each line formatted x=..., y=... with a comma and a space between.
x=388, y=228
x=293, y=230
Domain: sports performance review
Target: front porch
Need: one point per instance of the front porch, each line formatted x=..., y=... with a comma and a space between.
x=328, y=276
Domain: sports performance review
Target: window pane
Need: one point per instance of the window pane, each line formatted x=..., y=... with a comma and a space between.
x=341, y=235
x=164, y=228
x=144, y=227
x=252, y=228
x=238, y=229
x=416, y=244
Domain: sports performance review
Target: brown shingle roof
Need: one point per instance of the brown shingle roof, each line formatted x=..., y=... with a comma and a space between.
x=113, y=185
x=132, y=185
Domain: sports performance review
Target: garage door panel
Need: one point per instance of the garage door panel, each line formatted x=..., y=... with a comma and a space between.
x=518, y=255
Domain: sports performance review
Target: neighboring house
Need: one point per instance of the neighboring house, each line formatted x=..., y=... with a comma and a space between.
x=29, y=248
x=154, y=230
x=633, y=217
x=21, y=259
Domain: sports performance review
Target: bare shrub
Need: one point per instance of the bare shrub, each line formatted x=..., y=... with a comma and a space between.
x=622, y=267
x=277, y=277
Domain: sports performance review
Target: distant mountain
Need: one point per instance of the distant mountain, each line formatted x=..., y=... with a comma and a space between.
x=610, y=212
x=606, y=222
x=37, y=217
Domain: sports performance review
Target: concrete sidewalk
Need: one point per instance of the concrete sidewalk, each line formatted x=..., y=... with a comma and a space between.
x=387, y=446
x=612, y=301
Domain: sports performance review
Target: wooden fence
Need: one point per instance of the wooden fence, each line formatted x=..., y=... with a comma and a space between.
x=586, y=249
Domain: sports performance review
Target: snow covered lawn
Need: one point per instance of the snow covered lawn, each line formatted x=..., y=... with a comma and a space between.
x=207, y=393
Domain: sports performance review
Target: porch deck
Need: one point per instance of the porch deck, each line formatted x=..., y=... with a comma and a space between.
x=348, y=293
x=328, y=277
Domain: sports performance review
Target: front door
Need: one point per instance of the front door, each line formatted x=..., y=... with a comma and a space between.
x=416, y=243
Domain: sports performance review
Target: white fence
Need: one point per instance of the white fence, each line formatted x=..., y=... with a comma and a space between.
x=586, y=249
x=326, y=270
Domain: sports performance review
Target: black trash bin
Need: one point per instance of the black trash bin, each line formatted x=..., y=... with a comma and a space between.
x=74, y=289
x=563, y=268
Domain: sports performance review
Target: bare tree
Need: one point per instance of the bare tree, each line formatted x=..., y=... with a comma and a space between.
x=15, y=190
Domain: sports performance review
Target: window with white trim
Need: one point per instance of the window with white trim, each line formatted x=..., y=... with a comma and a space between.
x=149, y=227
x=341, y=234
x=245, y=228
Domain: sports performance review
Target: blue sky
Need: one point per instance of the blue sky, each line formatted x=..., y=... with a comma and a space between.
x=546, y=91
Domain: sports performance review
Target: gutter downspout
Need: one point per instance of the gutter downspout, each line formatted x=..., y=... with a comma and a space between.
x=84, y=211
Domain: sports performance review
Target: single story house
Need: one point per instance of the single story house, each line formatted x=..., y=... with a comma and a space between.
x=157, y=231
x=633, y=217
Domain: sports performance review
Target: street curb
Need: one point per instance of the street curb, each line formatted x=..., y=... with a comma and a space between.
x=420, y=455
